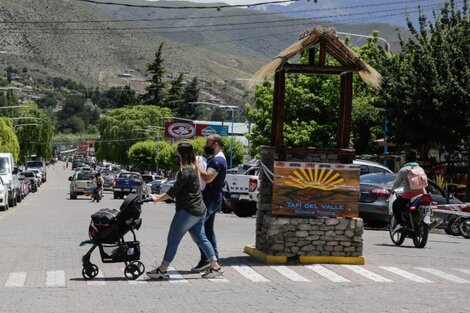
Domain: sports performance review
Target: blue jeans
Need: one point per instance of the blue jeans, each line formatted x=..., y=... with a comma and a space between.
x=184, y=222
x=213, y=206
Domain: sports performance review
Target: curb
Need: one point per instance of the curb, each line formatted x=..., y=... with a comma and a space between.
x=303, y=259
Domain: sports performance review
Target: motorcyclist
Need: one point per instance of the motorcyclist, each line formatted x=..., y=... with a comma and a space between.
x=98, y=186
x=402, y=200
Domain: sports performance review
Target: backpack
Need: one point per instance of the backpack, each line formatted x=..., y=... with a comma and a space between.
x=417, y=178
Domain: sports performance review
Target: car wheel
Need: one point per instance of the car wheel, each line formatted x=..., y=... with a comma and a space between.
x=73, y=196
x=244, y=208
x=115, y=195
x=19, y=198
x=376, y=224
x=464, y=228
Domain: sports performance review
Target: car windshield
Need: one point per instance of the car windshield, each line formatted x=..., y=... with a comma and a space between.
x=4, y=166
x=147, y=178
x=27, y=174
x=379, y=179
x=84, y=176
x=34, y=164
x=129, y=175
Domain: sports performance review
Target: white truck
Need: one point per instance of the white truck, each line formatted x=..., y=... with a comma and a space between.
x=241, y=192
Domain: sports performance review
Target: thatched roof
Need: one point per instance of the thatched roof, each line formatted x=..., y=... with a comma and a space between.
x=335, y=47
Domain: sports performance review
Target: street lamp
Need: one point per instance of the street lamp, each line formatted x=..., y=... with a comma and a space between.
x=387, y=44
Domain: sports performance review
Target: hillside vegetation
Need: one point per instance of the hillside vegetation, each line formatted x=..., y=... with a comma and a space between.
x=100, y=46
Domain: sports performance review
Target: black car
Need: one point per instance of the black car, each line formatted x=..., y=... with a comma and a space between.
x=375, y=192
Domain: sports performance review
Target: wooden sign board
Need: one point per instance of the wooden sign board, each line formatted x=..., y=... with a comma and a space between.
x=315, y=189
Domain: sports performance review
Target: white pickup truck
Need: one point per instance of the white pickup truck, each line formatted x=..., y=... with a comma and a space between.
x=241, y=192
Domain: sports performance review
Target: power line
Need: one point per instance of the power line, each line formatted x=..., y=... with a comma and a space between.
x=254, y=14
x=328, y=17
x=202, y=7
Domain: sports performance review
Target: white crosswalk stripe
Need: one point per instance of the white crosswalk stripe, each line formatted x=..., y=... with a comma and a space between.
x=250, y=274
x=175, y=276
x=444, y=275
x=16, y=279
x=257, y=274
x=368, y=274
x=405, y=274
x=328, y=274
x=55, y=279
x=463, y=270
x=290, y=274
x=99, y=280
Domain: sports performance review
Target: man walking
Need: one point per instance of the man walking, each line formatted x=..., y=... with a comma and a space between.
x=214, y=177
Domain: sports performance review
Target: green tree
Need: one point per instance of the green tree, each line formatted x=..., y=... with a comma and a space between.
x=426, y=89
x=174, y=97
x=155, y=90
x=121, y=128
x=8, y=139
x=142, y=154
x=188, y=109
x=35, y=139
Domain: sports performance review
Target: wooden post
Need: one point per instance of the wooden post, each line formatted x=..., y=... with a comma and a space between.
x=322, y=53
x=345, y=109
x=311, y=56
x=277, y=131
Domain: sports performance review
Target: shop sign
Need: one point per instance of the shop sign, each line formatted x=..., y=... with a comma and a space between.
x=315, y=189
x=204, y=130
x=179, y=130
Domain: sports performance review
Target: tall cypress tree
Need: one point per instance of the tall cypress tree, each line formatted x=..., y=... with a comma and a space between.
x=155, y=90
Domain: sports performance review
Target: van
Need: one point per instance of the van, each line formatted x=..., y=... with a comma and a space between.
x=39, y=164
x=8, y=174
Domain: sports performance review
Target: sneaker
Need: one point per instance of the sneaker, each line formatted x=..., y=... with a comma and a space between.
x=201, y=267
x=158, y=274
x=397, y=228
x=213, y=273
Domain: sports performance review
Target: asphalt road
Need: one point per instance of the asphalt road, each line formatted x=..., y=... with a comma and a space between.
x=40, y=268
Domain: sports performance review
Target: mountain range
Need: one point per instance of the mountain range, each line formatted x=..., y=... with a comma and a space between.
x=109, y=45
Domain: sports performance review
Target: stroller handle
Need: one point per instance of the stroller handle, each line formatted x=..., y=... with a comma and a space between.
x=145, y=199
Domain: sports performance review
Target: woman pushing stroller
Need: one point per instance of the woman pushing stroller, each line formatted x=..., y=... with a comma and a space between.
x=189, y=215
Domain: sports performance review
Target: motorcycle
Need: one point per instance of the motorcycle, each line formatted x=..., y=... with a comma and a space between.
x=96, y=194
x=417, y=217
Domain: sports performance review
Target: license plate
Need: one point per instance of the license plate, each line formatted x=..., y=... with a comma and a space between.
x=236, y=196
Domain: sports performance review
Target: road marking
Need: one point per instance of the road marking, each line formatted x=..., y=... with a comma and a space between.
x=99, y=280
x=138, y=281
x=368, y=274
x=328, y=274
x=250, y=274
x=55, y=279
x=290, y=274
x=444, y=275
x=463, y=270
x=175, y=276
x=405, y=274
x=16, y=279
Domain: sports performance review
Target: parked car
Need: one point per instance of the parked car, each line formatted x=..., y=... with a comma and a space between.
x=38, y=164
x=81, y=183
x=8, y=174
x=375, y=192
x=368, y=167
x=38, y=175
x=31, y=178
x=3, y=196
x=108, y=177
x=25, y=189
x=166, y=186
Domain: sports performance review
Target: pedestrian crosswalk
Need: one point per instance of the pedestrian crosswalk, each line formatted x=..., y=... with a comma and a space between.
x=257, y=274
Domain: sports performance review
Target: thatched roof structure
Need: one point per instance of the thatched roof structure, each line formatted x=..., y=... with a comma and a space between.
x=333, y=46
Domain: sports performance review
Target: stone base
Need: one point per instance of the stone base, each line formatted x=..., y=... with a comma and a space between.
x=279, y=259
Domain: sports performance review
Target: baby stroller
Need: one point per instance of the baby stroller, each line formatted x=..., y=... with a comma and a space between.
x=107, y=230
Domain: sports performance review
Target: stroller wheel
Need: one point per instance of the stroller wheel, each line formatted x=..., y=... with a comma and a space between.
x=132, y=271
x=90, y=271
x=140, y=266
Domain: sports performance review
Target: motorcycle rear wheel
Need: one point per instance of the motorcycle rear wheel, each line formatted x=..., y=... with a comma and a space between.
x=397, y=237
x=420, y=237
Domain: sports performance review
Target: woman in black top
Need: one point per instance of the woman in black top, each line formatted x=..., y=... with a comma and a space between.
x=189, y=215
